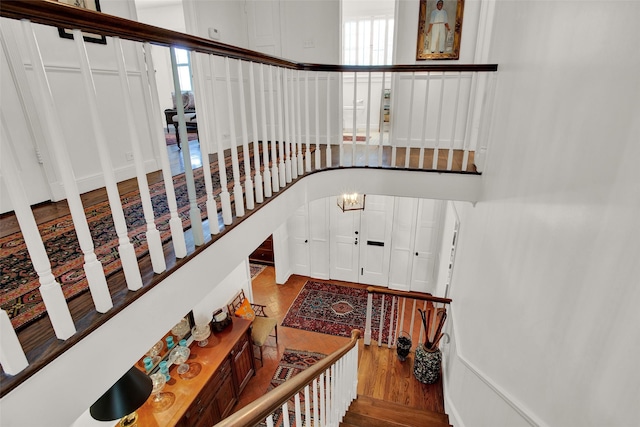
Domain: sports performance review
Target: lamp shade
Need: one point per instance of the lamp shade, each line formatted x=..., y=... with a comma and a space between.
x=124, y=397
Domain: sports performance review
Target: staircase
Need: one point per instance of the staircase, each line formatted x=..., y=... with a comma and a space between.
x=370, y=412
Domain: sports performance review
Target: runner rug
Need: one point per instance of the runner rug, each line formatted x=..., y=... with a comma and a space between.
x=292, y=363
x=19, y=294
x=336, y=310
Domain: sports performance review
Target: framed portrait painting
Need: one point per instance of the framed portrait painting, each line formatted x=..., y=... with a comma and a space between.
x=439, y=29
x=85, y=4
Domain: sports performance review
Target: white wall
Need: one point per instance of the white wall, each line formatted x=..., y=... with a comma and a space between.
x=545, y=287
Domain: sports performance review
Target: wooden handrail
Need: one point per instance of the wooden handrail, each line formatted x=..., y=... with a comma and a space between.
x=405, y=294
x=262, y=407
x=56, y=14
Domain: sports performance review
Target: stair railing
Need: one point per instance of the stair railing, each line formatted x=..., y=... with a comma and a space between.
x=401, y=301
x=327, y=388
x=296, y=135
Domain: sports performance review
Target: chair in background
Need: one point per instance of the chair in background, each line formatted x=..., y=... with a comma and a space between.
x=263, y=326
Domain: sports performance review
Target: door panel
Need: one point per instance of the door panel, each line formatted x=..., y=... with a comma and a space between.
x=319, y=238
x=402, y=243
x=375, y=243
x=299, y=240
x=426, y=245
x=264, y=26
x=345, y=228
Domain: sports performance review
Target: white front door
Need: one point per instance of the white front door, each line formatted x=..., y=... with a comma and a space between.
x=299, y=241
x=375, y=245
x=426, y=246
x=345, y=238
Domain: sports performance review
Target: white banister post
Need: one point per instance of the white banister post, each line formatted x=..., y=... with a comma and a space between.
x=92, y=266
x=287, y=138
x=454, y=122
x=328, y=153
x=381, y=119
x=282, y=173
x=368, y=130
x=194, y=211
x=285, y=414
x=298, y=411
x=392, y=111
x=256, y=143
x=51, y=291
x=299, y=119
x=125, y=248
x=424, y=121
x=12, y=355
x=292, y=121
x=175, y=223
x=270, y=421
x=154, y=241
x=238, y=198
x=275, y=181
x=438, y=124
x=367, y=325
x=382, y=301
x=205, y=137
x=466, y=137
x=316, y=413
x=407, y=152
x=390, y=338
x=354, y=119
x=307, y=407
x=413, y=318
x=307, y=135
x=329, y=394
x=225, y=197
x=317, y=156
x=246, y=155
x=265, y=138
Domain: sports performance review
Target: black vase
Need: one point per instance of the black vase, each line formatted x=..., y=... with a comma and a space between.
x=403, y=346
x=426, y=366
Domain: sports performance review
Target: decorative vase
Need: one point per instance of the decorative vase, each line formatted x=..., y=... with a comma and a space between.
x=403, y=346
x=426, y=366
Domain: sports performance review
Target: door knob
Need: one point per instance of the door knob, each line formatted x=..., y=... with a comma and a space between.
x=306, y=241
x=356, y=232
x=416, y=253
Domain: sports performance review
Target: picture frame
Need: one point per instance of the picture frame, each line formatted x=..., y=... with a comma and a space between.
x=88, y=37
x=439, y=29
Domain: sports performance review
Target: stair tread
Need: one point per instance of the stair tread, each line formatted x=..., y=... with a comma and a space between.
x=394, y=411
x=362, y=420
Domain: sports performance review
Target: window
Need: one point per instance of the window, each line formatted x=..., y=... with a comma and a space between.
x=368, y=41
x=184, y=69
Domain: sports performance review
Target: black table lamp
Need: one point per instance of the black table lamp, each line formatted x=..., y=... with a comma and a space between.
x=123, y=398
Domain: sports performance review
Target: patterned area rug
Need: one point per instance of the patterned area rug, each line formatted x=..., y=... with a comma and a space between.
x=335, y=310
x=256, y=269
x=292, y=363
x=19, y=294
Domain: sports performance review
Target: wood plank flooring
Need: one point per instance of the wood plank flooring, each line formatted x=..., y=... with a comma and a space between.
x=38, y=338
x=380, y=375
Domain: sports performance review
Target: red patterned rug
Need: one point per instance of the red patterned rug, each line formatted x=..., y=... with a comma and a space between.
x=335, y=310
x=19, y=294
x=292, y=363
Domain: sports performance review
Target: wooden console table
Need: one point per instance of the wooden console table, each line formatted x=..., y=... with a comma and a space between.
x=227, y=364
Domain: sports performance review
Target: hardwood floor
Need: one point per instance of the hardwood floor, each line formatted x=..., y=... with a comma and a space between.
x=38, y=338
x=380, y=375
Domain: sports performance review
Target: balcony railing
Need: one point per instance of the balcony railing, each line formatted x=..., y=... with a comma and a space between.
x=275, y=120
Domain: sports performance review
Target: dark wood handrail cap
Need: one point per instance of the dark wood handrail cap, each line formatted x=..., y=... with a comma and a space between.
x=406, y=294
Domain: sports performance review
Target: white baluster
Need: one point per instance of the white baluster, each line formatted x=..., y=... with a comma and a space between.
x=205, y=138
x=424, y=121
x=282, y=174
x=256, y=143
x=437, y=142
x=265, y=138
x=392, y=109
x=12, y=355
x=328, y=153
x=238, y=199
x=322, y=416
x=246, y=156
x=92, y=266
x=466, y=137
x=368, y=130
x=400, y=325
x=390, y=338
x=298, y=411
x=407, y=153
x=307, y=136
x=152, y=234
x=50, y=290
x=285, y=414
x=175, y=223
x=413, y=319
x=317, y=157
x=275, y=181
x=299, y=115
x=329, y=403
x=225, y=197
x=126, y=250
x=422, y=329
x=287, y=121
x=382, y=301
x=354, y=119
x=195, y=216
x=454, y=122
x=270, y=421
x=314, y=390
x=367, y=325
x=292, y=121
x=380, y=142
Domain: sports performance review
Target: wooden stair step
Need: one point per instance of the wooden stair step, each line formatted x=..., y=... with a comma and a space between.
x=370, y=412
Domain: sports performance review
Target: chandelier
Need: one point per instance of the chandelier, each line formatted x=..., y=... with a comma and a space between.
x=351, y=202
